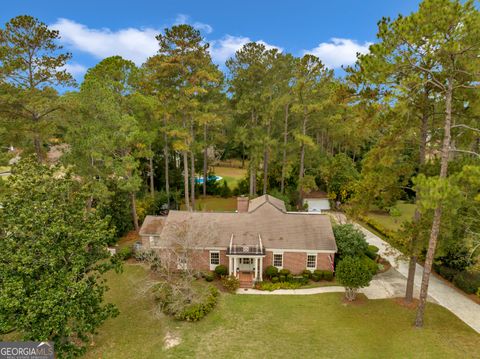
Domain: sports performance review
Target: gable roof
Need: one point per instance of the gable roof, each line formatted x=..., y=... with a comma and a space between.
x=266, y=199
x=266, y=218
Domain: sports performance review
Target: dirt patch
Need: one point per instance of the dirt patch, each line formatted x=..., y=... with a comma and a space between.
x=386, y=265
x=360, y=300
x=171, y=340
x=409, y=305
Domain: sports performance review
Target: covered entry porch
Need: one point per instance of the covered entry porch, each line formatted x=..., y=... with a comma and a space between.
x=246, y=259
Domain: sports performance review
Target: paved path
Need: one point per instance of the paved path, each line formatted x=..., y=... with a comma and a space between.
x=464, y=308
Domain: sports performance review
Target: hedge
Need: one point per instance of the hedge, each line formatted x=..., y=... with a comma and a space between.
x=467, y=281
x=377, y=226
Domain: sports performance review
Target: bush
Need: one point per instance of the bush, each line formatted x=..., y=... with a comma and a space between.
x=456, y=257
x=125, y=253
x=306, y=272
x=209, y=276
x=445, y=272
x=353, y=273
x=377, y=226
x=195, y=312
x=221, y=270
x=225, y=191
x=316, y=278
x=274, y=279
x=230, y=283
x=282, y=278
x=371, y=264
x=284, y=272
x=271, y=271
x=469, y=282
x=289, y=278
x=350, y=241
x=372, y=252
x=280, y=285
x=318, y=273
x=175, y=303
x=327, y=275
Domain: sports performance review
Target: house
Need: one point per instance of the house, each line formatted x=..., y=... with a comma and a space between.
x=316, y=201
x=261, y=233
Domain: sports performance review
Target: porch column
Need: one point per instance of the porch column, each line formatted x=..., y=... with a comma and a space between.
x=230, y=265
x=260, y=268
x=235, y=266
x=256, y=269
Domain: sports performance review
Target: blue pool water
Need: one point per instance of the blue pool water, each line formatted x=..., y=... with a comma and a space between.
x=210, y=178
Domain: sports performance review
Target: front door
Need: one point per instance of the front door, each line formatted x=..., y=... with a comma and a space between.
x=246, y=264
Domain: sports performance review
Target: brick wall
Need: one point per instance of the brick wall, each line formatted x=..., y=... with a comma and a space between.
x=297, y=261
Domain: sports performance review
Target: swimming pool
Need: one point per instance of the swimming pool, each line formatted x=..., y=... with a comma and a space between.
x=210, y=178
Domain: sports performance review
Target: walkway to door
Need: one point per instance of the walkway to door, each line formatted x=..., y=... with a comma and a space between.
x=246, y=279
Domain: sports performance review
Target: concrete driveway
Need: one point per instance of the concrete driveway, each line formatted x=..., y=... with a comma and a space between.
x=438, y=290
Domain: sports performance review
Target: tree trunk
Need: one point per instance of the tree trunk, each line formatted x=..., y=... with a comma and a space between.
x=192, y=167
x=205, y=160
x=134, y=211
x=437, y=217
x=265, y=160
x=302, y=161
x=165, y=153
x=417, y=216
x=185, y=180
x=284, y=155
x=152, y=186
x=38, y=147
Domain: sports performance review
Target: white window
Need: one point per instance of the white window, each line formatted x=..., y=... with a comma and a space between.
x=246, y=260
x=214, y=259
x=278, y=260
x=311, y=261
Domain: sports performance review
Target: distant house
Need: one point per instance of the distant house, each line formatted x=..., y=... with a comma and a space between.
x=261, y=233
x=316, y=201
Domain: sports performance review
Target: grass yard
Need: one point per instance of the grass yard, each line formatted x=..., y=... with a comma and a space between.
x=247, y=326
x=231, y=175
x=214, y=204
x=393, y=223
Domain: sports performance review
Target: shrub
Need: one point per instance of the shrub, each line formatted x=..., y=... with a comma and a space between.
x=225, y=191
x=174, y=302
x=350, y=241
x=446, y=272
x=231, y=283
x=284, y=272
x=221, y=270
x=377, y=226
x=318, y=273
x=280, y=285
x=306, y=272
x=353, y=273
x=456, y=257
x=274, y=279
x=372, y=252
x=394, y=212
x=469, y=282
x=281, y=278
x=327, y=275
x=316, y=278
x=271, y=271
x=306, y=276
x=289, y=278
x=371, y=264
x=209, y=276
x=197, y=311
x=125, y=253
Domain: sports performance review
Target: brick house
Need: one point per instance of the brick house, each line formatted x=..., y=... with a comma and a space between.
x=261, y=233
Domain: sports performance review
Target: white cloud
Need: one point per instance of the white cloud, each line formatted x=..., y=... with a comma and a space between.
x=75, y=69
x=226, y=47
x=130, y=43
x=339, y=51
x=185, y=19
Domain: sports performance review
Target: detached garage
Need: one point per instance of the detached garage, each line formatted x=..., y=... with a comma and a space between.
x=316, y=202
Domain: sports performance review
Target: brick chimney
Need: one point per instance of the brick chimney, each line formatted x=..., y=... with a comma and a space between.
x=242, y=204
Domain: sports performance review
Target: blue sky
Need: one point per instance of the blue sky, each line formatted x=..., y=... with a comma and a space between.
x=333, y=30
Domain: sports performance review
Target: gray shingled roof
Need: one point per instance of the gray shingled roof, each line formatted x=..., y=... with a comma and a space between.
x=266, y=217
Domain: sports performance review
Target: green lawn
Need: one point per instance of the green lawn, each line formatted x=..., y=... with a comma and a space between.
x=393, y=223
x=231, y=175
x=214, y=204
x=247, y=326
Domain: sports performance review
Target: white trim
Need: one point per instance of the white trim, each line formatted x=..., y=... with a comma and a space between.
x=306, y=261
x=273, y=259
x=282, y=250
x=212, y=266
